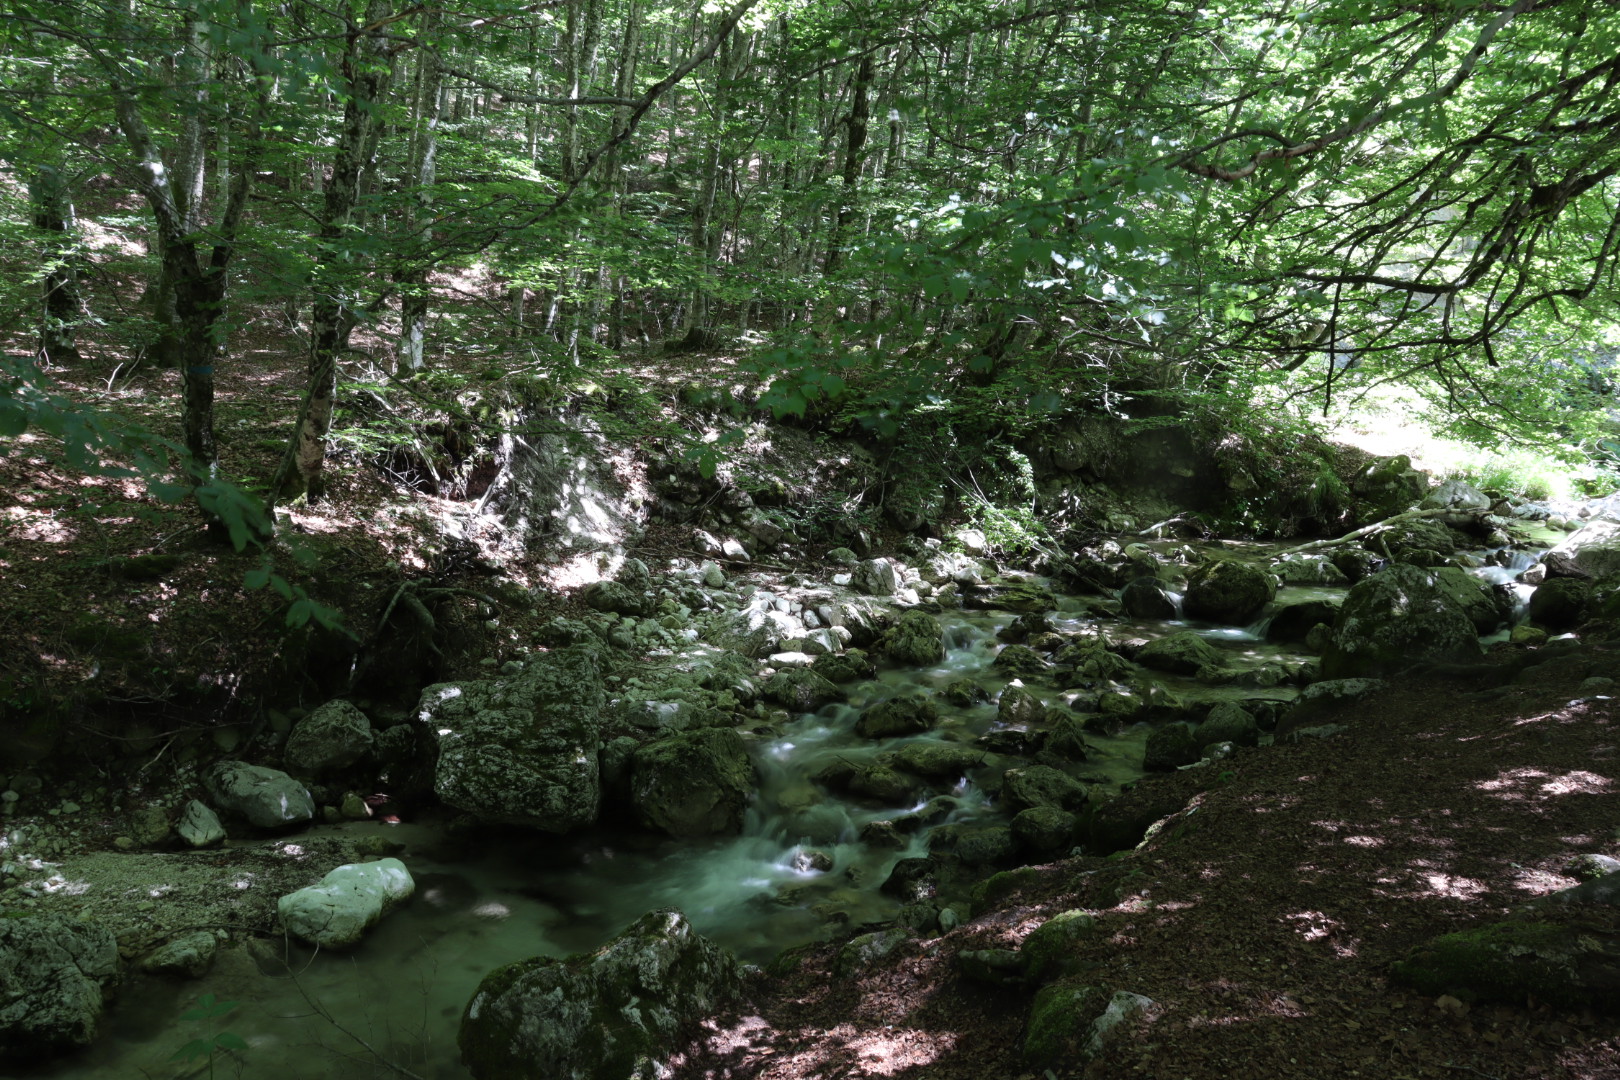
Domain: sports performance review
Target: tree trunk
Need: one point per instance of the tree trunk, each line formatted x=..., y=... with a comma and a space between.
x=413, y=305
x=859, y=115
x=59, y=288
x=365, y=71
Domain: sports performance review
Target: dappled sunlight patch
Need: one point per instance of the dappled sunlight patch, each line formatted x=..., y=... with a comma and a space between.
x=1530, y=783
x=888, y=1052
x=1537, y=882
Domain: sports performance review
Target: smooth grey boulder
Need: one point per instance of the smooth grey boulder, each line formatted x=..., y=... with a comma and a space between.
x=522, y=750
x=333, y=737
x=268, y=798
x=349, y=900
x=199, y=826
x=615, y=1014
x=1456, y=495
x=55, y=976
x=1397, y=618
x=1227, y=591
x=693, y=784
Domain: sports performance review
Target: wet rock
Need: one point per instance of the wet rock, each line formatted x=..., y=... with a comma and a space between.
x=884, y=835
x=693, y=784
x=1021, y=596
x=524, y=750
x=897, y=716
x=964, y=692
x=881, y=783
x=983, y=845
x=619, y=1012
x=188, y=955
x=801, y=689
x=349, y=900
x=1294, y=621
x=937, y=760
x=1066, y=737
x=1019, y=660
x=1145, y=598
x=916, y=640
x=54, y=978
x=1395, y=619
x=1183, y=653
x=1042, y=785
x=912, y=880
x=1227, y=591
x=268, y=798
x=812, y=861
x=1044, y=832
x=333, y=737
x=1561, y=602
x=199, y=826
x=842, y=556
x=1026, y=626
x=1170, y=747
x=1228, y=722
x=1019, y=707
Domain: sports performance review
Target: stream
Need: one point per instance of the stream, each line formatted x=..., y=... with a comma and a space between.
x=796, y=873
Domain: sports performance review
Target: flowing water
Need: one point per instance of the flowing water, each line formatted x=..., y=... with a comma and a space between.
x=796, y=872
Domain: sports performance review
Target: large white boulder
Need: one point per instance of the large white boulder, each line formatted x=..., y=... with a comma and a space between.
x=348, y=901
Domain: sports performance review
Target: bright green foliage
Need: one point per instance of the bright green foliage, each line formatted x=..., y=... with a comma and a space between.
x=208, y=1008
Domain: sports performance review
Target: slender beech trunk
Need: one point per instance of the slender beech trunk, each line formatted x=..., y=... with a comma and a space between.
x=365, y=71
x=59, y=287
x=859, y=116
x=413, y=305
x=187, y=176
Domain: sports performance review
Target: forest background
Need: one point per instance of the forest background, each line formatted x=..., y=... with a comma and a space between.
x=996, y=216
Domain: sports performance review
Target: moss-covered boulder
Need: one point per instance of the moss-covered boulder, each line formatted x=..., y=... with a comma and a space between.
x=1556, y=964
x=801, y=689
x=1019, y=660
x=1042, y=785
x=693, y=784
x=55, y=974
x=1395, y=619
x=1561, y=602
x=910, y=715
x=1183, y=653
x=1022, y=596
x=1146, y=598
x=916, y=639
x=1228, y=722
x=1066, y=736
x=1018, y=706
x=848, y=666
x=522, y=750
x=963, y=693
x=1170, y=747
x=938, y=760
x=618, y=598
x=1052, y=948
x=1227, y=591
x=1060, y=1023
x=1044, y=832
x=615, y=1014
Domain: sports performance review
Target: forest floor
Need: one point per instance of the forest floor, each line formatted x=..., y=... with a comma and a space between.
x=1263, y=919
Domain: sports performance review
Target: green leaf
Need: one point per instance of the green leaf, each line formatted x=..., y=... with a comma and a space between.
x=226, y=1040
x=196, y=1048
x=257, y=579
x=13, y=419
x=299, y=614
